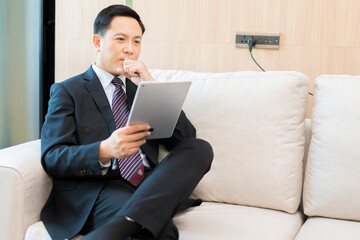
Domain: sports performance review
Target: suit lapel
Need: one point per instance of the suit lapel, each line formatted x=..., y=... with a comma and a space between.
x=130, y=92
x=95, y=89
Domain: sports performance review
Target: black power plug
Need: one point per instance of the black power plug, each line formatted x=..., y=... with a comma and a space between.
x=251, y=42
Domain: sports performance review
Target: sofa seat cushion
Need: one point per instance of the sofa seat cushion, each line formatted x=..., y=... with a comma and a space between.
x=318, y=228
x=37, y=231
x=212, y=221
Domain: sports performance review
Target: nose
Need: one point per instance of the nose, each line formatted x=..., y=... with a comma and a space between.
x=128, y=49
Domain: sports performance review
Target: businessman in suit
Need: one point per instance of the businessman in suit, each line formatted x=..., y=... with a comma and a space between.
x=86, y=146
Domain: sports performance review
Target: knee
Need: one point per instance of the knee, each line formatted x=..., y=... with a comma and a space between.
x=203, y=152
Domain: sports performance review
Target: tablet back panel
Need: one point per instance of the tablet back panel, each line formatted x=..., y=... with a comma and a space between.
x=159, y=105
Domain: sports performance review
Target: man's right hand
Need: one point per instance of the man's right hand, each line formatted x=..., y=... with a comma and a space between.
x=123, y=142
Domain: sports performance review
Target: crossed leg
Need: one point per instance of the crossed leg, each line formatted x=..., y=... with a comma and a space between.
x=153, y=204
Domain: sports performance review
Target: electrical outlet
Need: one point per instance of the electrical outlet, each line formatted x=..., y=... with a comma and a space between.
x=262, y=40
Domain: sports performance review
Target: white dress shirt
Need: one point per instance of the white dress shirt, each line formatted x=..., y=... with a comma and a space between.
x=109, y=88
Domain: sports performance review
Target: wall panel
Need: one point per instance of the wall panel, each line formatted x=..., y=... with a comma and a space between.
x=317, y=36
x=74, y=51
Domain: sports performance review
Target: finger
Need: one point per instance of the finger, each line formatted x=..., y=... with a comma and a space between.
x=137, y=136
x=127, y=65
x=131, y=148
x=136, y=128
x=131, y=138
x=136, y=144
x=121, y=71
x=133, y=71
x=129, y=61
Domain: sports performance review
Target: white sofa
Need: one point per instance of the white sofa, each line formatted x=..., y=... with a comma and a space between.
x=256, y=125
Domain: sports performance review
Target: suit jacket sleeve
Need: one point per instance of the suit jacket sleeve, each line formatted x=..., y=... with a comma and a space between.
x=62, y=156
x=183, y=130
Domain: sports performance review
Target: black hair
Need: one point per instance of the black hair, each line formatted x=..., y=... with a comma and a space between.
x=105, y=16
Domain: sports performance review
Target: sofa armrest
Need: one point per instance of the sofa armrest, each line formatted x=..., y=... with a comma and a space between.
x=24, y=189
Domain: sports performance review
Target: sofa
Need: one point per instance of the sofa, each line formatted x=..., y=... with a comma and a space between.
x=275, y=174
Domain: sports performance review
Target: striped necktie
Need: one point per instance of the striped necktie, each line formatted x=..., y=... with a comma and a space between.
x=131, y=168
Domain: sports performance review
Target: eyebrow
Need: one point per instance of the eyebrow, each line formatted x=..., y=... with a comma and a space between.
x=123, y=34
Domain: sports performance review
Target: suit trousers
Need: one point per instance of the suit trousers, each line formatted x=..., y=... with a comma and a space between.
x=156, y=200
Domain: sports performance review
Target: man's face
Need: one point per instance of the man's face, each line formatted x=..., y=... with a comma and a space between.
x=121, y=41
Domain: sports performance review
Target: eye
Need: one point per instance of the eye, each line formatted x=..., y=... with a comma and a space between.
x=120, y=39
x=137, y=42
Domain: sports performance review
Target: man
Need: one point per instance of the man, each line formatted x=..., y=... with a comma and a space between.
x=107, y=181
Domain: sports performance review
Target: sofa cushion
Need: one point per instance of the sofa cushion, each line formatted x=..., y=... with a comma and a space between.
x=37, y=231
x=332, y=179
x=213, y=221
x=255, y=124
x=317, y=228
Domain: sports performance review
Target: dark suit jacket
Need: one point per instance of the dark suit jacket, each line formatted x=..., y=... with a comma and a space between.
x=79, y=117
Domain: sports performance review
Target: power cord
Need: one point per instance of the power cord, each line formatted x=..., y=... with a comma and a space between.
x=251, y=42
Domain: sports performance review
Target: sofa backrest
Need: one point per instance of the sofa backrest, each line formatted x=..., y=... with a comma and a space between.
x=332, y=178
x=255, y=124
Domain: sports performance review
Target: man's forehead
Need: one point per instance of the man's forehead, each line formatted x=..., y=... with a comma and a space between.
x=125, y=22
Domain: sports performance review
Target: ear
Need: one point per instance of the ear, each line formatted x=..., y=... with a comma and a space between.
x=97, y=42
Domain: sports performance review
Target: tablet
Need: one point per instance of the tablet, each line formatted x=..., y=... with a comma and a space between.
x=159, y=105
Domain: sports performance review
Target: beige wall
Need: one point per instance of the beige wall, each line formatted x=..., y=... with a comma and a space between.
x=74, y=51
x=317, y=36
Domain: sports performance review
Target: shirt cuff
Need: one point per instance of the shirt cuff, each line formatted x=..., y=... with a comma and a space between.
x=105, y=165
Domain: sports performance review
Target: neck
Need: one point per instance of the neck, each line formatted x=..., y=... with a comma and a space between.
x=99, y=65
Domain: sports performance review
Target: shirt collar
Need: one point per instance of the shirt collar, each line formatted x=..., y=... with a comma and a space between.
x=105, y=77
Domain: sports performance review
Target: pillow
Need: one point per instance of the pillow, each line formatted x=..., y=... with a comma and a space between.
x=332, y=178
x=255, y=124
